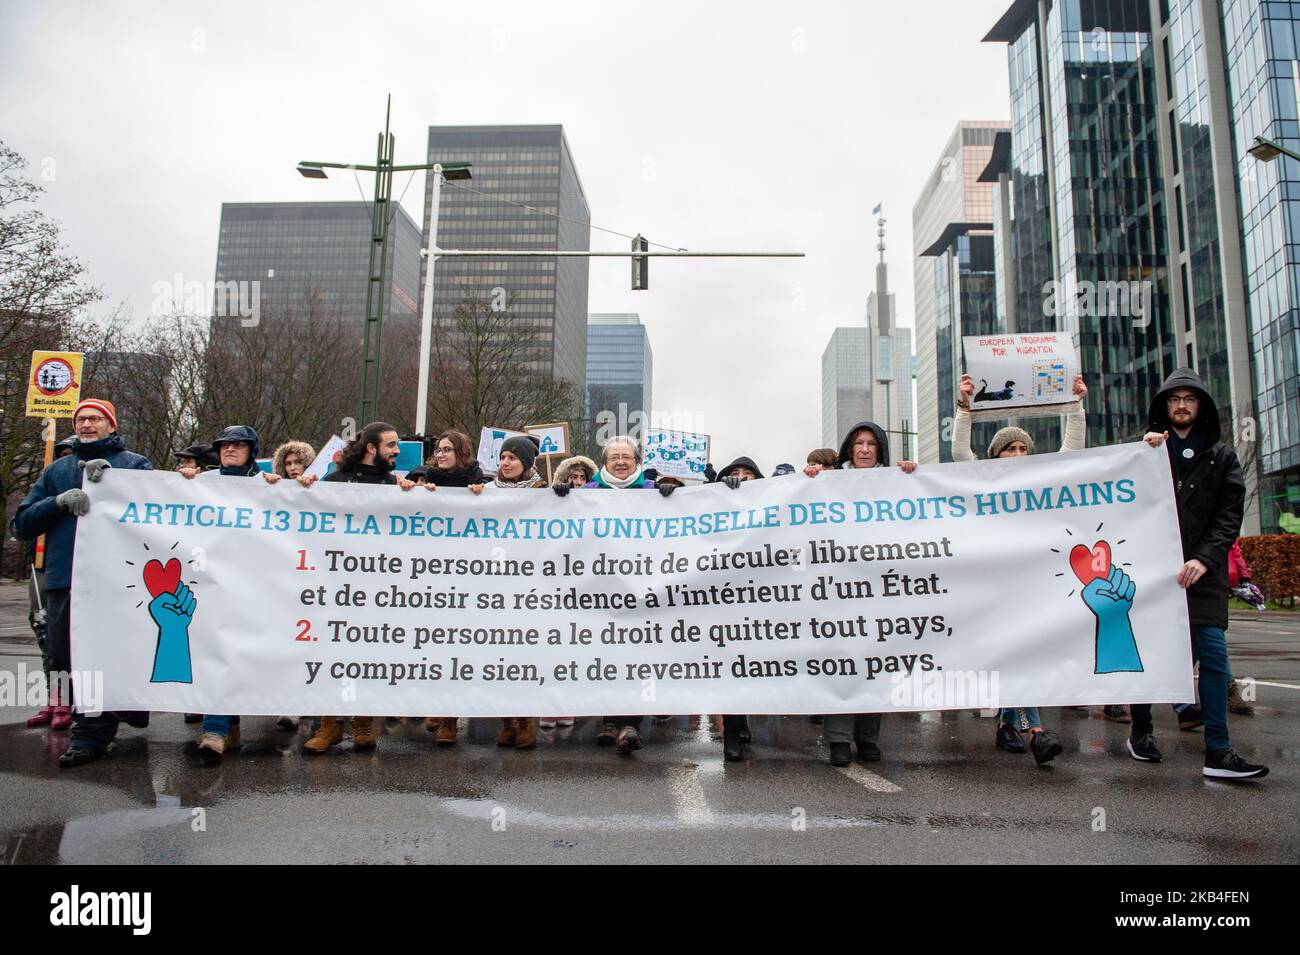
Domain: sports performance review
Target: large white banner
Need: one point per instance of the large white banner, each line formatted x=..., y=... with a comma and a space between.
x=1047, y=580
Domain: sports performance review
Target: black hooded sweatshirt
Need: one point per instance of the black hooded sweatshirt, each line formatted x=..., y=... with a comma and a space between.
x=363, y=474
x=1210, y=493
x=882, y=443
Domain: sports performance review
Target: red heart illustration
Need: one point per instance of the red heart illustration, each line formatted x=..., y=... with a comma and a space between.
x=1088, y=565
x=160, y=579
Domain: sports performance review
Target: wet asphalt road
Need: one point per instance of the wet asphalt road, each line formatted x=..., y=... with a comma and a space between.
x=942, y=794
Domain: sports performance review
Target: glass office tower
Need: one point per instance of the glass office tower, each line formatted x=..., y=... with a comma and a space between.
x=514, y=167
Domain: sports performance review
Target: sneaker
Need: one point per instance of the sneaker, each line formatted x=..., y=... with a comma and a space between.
x=546, y=723
x=75, y=755
x=608, y=735
x=1045, y=747
x=1143, y=749
x=564, y=721
x=1117, y=713
x=1226, y=764
x=1190, y=718
x=1008, y=738
x=629, y=740
x=1236, y=704
x=841, y=754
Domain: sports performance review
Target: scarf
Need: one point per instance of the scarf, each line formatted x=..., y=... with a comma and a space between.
x=528, y=480
x=605, y=479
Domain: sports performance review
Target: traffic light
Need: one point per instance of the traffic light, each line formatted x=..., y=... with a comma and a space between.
x=640, y=264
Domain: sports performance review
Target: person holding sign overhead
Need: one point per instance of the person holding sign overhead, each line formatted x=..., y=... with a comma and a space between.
x=1012, y=442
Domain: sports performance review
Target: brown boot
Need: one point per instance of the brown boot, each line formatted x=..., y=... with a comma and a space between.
x=329, y=734
x=507, y=735
x=525, y=732
x=364, y=734
x=447, y=729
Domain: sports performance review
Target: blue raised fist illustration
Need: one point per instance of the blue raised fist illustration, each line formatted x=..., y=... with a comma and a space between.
x=172, y=612
x=1110, y=598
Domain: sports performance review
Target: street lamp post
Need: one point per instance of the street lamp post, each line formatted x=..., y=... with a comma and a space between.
x=377, y=274
x=440, y=173
x=1266, y=150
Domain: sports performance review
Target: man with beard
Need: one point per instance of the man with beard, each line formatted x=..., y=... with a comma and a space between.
x=367, y=459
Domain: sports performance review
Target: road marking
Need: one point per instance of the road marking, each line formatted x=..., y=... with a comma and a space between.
x=689, y=804
x=869, y=780
x=1285, y=686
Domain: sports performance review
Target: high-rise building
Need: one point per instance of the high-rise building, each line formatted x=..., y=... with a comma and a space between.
x=1128, y=161
x=525, y=195
x=620, y=368
x=318, y=254
x=1080, y=200
x=867, y=371
x=955, y=280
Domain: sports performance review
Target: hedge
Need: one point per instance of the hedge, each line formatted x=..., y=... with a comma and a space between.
x=1274, y=562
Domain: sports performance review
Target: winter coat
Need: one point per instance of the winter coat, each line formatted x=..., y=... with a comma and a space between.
x=740, y=462
x=363, y=474
x=39, y=514
x=566, y=468
x=1210, y=493
x=454, y=477
x=1076, y=429
x=1237, y=569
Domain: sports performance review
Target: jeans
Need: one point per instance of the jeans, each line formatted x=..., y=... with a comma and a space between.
x=219, y=724
x=1021, y=717
x=848, y=727
x=1210, y=650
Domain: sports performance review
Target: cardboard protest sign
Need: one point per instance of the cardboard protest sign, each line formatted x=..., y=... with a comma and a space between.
x=489, y=447
x=1022, y=375
x=679, y=454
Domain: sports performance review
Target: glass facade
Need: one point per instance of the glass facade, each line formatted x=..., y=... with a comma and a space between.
x=298, y=251
x=620, y=367
x=846, y=383
x=1262, y=45
x=1086, y=202
x=530, y=165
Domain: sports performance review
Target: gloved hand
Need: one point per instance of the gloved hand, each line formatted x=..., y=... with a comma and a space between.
x=732, y=481
x=561, y=490
x=666, y=489
x=94, y=469
x=75, y=502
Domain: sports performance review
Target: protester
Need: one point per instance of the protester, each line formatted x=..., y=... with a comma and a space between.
x=516, y=468
x=51, y=508
x=453, y=463
x=821, y=459
x=1012, y=442
x=369, y=458
x=292, y=459
x=865, y=447
x=620, y=469
x=1209, y=492
x=735, y=727
x=195, y=457
x=575, y=471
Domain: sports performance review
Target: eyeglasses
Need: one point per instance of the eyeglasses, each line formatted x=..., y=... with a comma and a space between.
x=1182, y=400
x=448, y=449
x=89, y=419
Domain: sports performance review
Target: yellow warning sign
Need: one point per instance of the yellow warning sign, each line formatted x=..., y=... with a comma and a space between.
x=54, y=387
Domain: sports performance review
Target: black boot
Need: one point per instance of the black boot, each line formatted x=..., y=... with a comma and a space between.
x=841, y=754
x=733, y=749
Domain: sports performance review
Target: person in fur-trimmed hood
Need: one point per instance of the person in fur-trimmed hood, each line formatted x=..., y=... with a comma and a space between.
x=575, y=471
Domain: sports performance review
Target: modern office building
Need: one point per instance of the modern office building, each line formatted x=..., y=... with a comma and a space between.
x=1129, y=162
x=620, y=367
x=525, y=195
x=302, y=253
x=1082, y=198
x=955, y=280
x=867, y=371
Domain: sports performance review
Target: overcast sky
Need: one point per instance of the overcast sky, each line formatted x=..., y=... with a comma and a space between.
x=713, y=126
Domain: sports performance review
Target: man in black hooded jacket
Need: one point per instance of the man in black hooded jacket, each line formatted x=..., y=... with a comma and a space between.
x=1209, y=492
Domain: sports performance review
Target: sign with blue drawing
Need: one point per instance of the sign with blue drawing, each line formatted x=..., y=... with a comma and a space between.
x=1023, y=375
x=551, y=438
x=489, y=447
x=679, y=454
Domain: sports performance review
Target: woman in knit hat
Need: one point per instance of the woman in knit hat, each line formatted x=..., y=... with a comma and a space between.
x=1013, y=442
